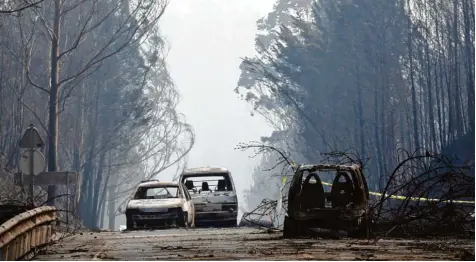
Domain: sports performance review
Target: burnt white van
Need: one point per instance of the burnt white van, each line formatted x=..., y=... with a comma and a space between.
x=214, y=195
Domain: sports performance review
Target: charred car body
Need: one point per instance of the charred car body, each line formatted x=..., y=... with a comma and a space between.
x=158, y=204
x=343, y=210
x=214, y=196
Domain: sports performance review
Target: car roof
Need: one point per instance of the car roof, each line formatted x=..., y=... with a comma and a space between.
x=205, y=170
x=157, y=183
x=352, y=167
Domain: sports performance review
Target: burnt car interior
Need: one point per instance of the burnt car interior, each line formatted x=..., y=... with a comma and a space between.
x=157, y=192
x=342, y=191
x=313, y=195
x=208, y=183
x=205, y=186
x=342, y=205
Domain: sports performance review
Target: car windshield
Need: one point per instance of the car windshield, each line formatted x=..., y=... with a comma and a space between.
x=162, y=192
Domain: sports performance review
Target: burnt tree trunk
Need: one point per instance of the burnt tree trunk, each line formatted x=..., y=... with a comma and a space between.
x=416, y=136
x=469, y=53
x=53, y=103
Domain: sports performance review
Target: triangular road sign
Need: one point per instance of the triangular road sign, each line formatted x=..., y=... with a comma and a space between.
x=31, y=138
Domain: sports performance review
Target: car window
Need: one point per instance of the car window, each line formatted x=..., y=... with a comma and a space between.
x=208, y=182
x=187, y=195
x=158, y=192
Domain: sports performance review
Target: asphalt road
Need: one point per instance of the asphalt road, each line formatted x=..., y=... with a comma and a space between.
x=243, y=244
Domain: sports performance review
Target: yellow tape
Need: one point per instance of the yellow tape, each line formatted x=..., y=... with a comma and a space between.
x=285, y=178
x=413, y=198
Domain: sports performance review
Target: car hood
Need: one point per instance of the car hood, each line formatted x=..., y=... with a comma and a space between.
x=149, y=203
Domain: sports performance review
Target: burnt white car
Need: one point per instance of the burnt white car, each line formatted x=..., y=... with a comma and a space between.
x=213, y=194
x=157, y=204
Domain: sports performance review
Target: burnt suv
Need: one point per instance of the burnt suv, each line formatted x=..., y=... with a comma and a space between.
x=342, y=209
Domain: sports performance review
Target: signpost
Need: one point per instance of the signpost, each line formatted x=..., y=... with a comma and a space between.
x=32, y=165
x=66, y=178
x=31, y=139
x=48, y=178
x=31, y=161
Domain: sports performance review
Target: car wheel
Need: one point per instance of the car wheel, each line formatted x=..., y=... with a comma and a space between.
x=290, y=228
x=129, y=223
x=233, y=223
x=361, y=229
x=364, y=228
x=183, y=221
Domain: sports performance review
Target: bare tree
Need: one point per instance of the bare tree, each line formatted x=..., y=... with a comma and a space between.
x=133, y=27
x=16, y=6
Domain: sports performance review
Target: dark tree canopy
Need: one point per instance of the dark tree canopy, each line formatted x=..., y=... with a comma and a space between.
x=371, y=75
x=105, y=102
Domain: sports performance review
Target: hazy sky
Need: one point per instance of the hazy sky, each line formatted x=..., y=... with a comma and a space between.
x=207, y=39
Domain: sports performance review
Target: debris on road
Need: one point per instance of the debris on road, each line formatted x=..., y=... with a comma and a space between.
x=256, y=220
x=246, y=244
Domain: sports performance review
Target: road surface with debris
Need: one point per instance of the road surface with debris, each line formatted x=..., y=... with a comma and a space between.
x=246, y=244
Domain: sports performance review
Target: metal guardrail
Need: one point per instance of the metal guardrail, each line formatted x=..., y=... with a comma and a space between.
x=26, y=232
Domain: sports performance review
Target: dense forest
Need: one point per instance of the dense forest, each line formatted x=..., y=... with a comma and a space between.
x=374, y=76
x=330, y=75
x=91, y=76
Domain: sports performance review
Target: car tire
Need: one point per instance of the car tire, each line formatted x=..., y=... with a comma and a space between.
x=290, y=228
x=186, y=224
x=183, y=221
x=232, y=223
x=363, y=230
x=129, y=223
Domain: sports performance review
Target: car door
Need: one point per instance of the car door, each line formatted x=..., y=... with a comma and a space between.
x=192, y=207
x=189, y=204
